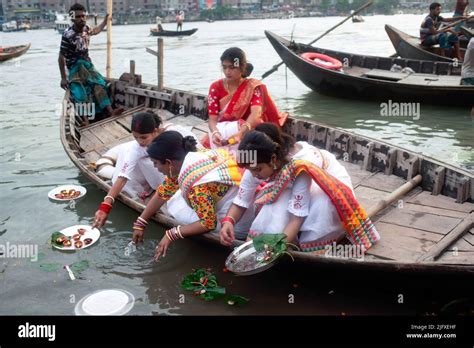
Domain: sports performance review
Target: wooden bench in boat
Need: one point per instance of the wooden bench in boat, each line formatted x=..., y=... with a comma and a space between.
x=414, y=78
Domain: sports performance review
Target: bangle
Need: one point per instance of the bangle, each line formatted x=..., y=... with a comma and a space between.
x=167, y=232
x=105, y=207
x=138, y=228
x=179, y=231
x=216, y=131
x=247, y=124
x=228, y=219
x=142, y=220
x=112, y=198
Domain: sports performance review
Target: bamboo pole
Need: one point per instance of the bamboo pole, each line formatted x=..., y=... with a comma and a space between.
x=109, y=39
x=160, y=64
x=398, y=193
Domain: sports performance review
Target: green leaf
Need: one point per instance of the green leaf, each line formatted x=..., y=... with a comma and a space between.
x=233, y=300
x=55, y=236
x=212, y=293
x=276, y=242
x=78, y=267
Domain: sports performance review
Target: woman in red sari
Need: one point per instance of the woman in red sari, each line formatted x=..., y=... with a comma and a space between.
x=236, y=103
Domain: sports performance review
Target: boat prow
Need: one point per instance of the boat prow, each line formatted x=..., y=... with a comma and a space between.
x=10, y=52
x=409, y=47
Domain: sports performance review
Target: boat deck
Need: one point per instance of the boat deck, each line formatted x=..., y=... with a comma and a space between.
x=405, y=78
x=412, y=230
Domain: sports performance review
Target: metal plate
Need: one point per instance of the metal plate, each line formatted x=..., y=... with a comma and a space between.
x=106, y=302
x=245, y=260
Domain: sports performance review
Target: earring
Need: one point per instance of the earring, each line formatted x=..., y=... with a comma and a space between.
x=274, y=166
x=171, y=175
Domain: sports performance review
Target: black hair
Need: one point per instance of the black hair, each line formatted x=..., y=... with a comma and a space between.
x=171, y=145
x=237, y=56
x=434, y=6
x=77, y=7
x=266, y=139
x=145, y=122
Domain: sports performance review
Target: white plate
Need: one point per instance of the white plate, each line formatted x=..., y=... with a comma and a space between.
x=106, y=302
x=71, y=231
x=53, y=192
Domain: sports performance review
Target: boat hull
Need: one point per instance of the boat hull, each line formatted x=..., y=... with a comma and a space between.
x=167, y=33
x=343, y=85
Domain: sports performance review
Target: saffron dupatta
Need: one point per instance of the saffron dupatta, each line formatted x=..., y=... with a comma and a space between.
x=240, y=102
x=208, y=166
x=357, y=225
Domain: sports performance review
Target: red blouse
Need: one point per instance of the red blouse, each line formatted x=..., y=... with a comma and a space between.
x=217, y=92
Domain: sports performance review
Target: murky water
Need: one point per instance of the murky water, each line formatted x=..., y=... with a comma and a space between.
x=33, y=162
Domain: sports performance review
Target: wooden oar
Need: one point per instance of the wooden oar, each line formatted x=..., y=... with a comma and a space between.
x=109, y=40
x=275, y=67
x=453, y=24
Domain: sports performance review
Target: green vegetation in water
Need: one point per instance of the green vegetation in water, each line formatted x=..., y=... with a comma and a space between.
x=204, y=285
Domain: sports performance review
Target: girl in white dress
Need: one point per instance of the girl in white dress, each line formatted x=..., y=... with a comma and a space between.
x=304, y=192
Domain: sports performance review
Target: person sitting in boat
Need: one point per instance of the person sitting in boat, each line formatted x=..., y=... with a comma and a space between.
x=134, y=172
x=459, y=12
x=304, y=192
x=179, y=20
x=198, y=189
x=158, y=24
x=467, y=72
x=87, y=86
x=430, y=34
x=236, y=103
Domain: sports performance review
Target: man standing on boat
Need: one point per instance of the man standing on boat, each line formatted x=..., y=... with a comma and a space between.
x=86, y=85
x=180, y=20
x=430, y=34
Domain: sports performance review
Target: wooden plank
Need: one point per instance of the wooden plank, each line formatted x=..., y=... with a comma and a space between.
x=164, y=114
x=383, y=182
x=357, y=174
x=385, y=228
x=385, y=75
x=469, y=237
x=116, y=130
x=126, y=122
x=90, y=141
x=461, y=245
x=91, y=156
x=104, y=135
x=425, y=198
x=203, y=127
x=368, y=197
x=419, y=220
x=190, y=121
x=460, y=257
x=398, y=247
x=434, y=210
x=148, y=93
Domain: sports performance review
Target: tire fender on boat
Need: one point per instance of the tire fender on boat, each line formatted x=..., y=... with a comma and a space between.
x=322, y=61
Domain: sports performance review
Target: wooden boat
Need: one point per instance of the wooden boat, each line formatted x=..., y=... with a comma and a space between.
x=408, y=46
x=155, y=32
x=419, y=231
x=369, y=77
x=13, y=52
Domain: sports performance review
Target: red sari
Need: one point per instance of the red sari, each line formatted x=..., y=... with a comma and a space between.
x=250, y=93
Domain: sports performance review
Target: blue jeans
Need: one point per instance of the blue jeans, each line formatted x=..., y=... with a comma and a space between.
x=445, y=40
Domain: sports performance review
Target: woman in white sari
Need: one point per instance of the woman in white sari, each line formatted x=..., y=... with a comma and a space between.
x=199, y=188
x=305, y=193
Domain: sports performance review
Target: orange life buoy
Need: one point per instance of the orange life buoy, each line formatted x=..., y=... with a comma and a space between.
x=322, y=60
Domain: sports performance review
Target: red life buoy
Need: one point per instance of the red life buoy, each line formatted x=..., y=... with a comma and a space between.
x=322, y=60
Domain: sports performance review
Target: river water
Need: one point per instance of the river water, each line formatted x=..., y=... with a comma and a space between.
x=33, y=162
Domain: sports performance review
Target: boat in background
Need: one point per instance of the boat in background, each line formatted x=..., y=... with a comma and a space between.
x=375, y=78
x=408, y=46
x=13, y=26
x=10, y=52
x=156, y=32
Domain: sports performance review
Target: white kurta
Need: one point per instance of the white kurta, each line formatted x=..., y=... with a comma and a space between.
x=134, y=164
x=303, y=198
